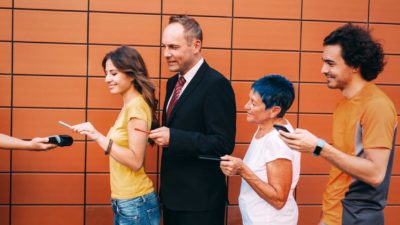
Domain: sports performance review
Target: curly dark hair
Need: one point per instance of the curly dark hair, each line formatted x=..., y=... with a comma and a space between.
x=359, y=50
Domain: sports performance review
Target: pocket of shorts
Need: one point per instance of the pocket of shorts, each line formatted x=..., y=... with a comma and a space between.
x=128, y=212
x=153, y=215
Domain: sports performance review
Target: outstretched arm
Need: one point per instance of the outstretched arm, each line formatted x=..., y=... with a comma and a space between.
x=38, y=144
x=133, y=156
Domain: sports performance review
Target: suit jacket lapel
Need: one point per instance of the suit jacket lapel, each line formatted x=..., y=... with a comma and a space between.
x=188, y=90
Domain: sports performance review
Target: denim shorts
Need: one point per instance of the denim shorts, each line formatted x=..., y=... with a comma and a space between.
x=143, y=210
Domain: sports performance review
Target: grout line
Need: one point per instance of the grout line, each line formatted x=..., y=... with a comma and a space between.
x=160, y=111
x=299, y=71
x=86, y=111
x=199, y=15
x=207, y=16
x=158, y=46
x=299, y=76
x=165, y=78
x=231, y=47
x=230, y=78
x=368, y=13
x=11, y=112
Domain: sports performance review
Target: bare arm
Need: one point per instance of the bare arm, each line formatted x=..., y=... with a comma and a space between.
x=371, y=169
x=279, y=173
x=38, y=144
x=133, y=156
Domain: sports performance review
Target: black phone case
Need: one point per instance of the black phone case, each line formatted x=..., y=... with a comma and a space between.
x=281, y=127
x=213, y=158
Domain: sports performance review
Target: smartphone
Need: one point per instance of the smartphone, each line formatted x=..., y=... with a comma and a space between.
x=144, y=131
x=65, y=124
x=212, y=158
x=279, y=127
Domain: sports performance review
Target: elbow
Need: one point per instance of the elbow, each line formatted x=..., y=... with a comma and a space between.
x=136, y=167
x=376, y=181
x=279, y=204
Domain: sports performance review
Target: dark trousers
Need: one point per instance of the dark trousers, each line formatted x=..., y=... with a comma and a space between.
x=212, y=217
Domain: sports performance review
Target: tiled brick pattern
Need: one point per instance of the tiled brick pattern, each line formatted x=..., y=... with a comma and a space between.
x=50, y=55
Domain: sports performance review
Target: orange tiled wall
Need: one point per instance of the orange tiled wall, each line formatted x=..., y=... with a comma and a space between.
x=50, y=53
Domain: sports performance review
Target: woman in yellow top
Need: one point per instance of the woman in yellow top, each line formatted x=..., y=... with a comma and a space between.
x=133, y=198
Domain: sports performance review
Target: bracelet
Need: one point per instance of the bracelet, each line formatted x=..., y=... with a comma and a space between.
x=108, y=150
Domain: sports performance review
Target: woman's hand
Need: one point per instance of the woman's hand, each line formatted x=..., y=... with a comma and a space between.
x=230, y=165
x=87, y=129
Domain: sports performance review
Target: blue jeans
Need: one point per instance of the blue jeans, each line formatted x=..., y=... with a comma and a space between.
x=143, y=210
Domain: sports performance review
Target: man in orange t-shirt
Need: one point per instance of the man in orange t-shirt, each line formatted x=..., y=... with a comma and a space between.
x=364, y=128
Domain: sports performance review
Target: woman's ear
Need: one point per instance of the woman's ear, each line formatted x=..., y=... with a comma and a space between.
x=275, y=110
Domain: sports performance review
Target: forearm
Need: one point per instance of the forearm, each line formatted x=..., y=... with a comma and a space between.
x=360, y=168
x=8, y=142
x=125, y=156
x=275, y=197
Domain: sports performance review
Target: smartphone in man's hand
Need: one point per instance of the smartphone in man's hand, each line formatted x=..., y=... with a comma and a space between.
x=279, y=127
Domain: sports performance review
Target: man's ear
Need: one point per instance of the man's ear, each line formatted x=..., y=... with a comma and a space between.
x=355, y=69
x=197, y=45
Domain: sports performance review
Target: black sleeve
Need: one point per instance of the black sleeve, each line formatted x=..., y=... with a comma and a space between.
x=219, y=112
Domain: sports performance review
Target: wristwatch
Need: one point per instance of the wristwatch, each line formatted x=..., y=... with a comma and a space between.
x=319, y=147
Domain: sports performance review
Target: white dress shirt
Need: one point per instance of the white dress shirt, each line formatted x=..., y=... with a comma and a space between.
x=188, y=77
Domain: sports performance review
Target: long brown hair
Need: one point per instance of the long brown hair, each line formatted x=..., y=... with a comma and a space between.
x=129, y=61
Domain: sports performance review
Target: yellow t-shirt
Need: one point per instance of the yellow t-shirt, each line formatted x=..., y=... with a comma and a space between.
x=125, y=183
x=368, y=120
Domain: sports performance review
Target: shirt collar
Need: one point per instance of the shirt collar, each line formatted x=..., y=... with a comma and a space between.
x=190, y=74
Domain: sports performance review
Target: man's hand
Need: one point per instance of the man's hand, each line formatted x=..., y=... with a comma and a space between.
x=160, y=136
x=300, y=140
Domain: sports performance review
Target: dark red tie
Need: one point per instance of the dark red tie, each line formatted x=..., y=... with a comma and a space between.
x=175, y=96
